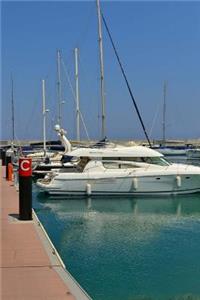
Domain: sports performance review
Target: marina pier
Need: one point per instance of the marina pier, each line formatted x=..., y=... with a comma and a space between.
x=30, y=265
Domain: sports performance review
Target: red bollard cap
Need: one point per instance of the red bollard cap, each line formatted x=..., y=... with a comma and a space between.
x=25, y=167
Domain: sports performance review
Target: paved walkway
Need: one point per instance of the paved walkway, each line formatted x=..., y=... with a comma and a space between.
x=27, y=271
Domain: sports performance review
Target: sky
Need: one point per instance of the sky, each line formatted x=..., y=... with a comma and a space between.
x=156, y=41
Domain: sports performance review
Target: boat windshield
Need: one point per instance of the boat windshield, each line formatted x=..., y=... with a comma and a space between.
x=161, y=161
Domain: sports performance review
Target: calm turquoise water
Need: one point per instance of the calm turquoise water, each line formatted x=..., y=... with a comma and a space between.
x=128, y=248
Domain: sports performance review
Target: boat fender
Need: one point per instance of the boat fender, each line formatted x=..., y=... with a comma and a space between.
x=88, y=189
x=178, y=181
x=135, y=183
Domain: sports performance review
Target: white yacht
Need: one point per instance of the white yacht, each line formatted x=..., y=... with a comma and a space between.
x=193, y=153
x=171, y=150
x=120, y=170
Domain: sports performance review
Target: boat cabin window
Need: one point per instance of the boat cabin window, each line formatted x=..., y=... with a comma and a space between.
x=158, y=160
x=117, y=165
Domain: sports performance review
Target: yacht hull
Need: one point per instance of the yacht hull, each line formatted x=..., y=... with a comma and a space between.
x=132, y=185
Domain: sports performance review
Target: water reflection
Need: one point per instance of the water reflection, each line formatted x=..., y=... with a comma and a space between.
x=172, y=205
x=131, y=218
x=127, y=248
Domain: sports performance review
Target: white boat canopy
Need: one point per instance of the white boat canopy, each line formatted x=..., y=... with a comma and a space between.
x=118, y=151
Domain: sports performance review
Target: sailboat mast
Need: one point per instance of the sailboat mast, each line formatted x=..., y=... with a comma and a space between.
x=77, y=96
x=102, y=85
x=59, y=91
x=44, y=115
x=13, y=116
x=164, y=112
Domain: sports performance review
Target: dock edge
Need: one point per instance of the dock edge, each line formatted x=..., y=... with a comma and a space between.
x=58, y=265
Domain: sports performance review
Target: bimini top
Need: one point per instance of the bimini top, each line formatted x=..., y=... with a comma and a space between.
x=118, y=151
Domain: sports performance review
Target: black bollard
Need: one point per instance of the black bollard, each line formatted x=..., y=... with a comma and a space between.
x=25, y=189
x=3, y=157
x=8, y=160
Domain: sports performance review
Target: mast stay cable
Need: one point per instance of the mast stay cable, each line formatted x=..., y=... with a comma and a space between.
x=126, y=80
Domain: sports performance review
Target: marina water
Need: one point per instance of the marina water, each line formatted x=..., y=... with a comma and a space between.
x=127, y=248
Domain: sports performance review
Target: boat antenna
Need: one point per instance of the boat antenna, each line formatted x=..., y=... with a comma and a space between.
x=126, y=80
x=44, y=111
x=13, y=115
x=76, y=53
x=59, y=89
x=102, y=84
x=164, y=112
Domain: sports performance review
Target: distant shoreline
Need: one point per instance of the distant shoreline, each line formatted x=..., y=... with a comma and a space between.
x=195, y=142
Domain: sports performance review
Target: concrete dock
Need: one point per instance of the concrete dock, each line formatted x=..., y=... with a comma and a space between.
x=30, y=267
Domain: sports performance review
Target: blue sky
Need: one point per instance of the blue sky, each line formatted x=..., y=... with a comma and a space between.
x=156, y=41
